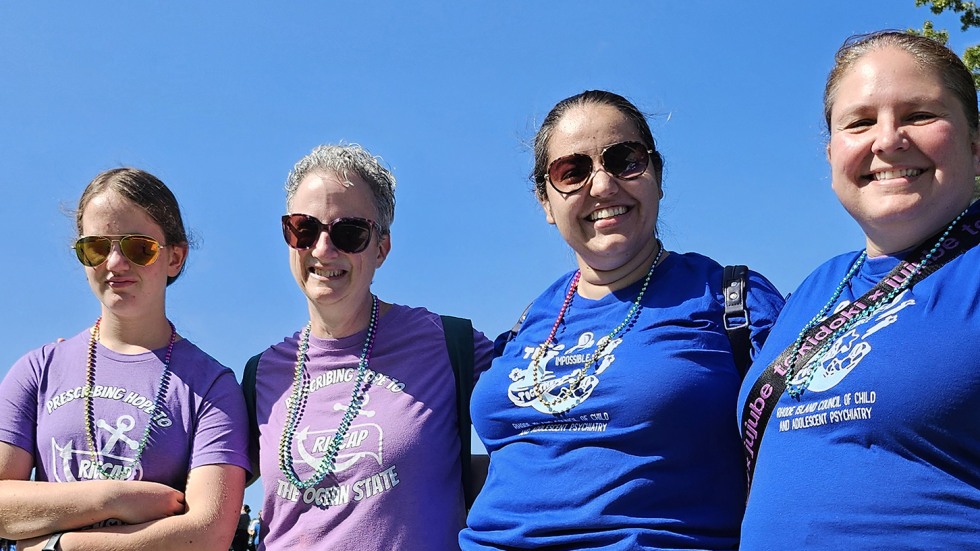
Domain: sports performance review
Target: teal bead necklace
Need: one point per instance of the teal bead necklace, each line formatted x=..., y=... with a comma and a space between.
x=90, y=408
x=568, y=395
x=796, y=390
x=297, y=402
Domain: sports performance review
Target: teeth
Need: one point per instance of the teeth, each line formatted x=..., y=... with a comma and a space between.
x=889, y=174
x=606, y=213
x=327, y=273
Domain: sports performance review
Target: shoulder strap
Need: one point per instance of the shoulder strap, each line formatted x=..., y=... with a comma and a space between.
x=502, y=339
x=771, y=384
x=248, y=389
x=459, y=343
x=736, y=317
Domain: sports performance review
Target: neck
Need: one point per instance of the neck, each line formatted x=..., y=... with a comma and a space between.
x=337, y=322
x=887, y=241
x=134, y=335
x=596, y=284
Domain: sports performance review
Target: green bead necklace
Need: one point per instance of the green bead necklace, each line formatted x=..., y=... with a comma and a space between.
x=796, y=390
x=569, y=395
x=297, y=402
x=90, y=408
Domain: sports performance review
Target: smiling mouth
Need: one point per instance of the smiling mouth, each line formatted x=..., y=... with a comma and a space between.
x=890, y=174
x=326, y=273
x=602, y=214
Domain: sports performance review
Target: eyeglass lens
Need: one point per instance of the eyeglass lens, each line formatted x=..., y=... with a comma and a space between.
x=350, y=235
x=626, y=161
x=93, y=250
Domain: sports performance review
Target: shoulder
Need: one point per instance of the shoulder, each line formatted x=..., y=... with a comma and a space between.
x=828, y=273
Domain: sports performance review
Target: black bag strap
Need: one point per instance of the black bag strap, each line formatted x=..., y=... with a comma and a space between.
x=248, y=389
x=771, y=384
x=459, y=343
x=736, y=316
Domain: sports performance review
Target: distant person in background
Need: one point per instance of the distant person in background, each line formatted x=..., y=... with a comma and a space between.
x=608, y=417
x=240, y=541
x=864, y=404
x=136, y=437
x=359, y=442
x=254, y=529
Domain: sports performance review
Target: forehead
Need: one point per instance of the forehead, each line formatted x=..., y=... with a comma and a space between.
x=589, y=128
x=108, y=212
x=329, y=194
x=888, y=72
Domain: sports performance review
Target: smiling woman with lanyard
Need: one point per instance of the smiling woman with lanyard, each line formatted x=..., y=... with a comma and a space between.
x=860, y=417
x=608, y=416
x=136, y=437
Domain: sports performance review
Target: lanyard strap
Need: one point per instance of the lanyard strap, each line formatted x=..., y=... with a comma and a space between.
x=771, y=384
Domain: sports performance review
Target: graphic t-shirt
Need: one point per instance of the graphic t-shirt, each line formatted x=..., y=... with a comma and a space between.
x=397, y=479
x=650, y=458
x=202, y=422
x=883, y=449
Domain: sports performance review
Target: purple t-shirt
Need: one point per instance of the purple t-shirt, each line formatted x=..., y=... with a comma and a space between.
x=42, y=410
x=396, y=484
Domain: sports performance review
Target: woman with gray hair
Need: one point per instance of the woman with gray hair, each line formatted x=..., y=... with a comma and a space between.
x=356, y=414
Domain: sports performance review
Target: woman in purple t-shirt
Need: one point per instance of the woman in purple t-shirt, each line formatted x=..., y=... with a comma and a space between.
x=142, y=431
x=358, y=438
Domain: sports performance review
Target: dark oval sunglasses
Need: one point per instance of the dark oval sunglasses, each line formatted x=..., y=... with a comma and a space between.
x=350, y=235
x=93, y=250
x=624, y=160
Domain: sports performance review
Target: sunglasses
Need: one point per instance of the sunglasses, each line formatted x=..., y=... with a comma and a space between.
x=624, y=160
x=350, y=235
x=93, y=250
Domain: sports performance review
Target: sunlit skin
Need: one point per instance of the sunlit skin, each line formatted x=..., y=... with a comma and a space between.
x=902, y=155
x=337, y=285
x=614, y=247
x=132, y=296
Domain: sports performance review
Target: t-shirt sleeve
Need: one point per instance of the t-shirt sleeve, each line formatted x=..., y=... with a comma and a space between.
x=764, y=302
x=18, y=403
x=482, y=354
x=222, y=427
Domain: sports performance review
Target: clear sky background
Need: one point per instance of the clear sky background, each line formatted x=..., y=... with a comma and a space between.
x=219, y=99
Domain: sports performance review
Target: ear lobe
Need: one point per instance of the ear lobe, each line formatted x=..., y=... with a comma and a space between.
x=384, y=247
x=178, y=255
x=546, y=207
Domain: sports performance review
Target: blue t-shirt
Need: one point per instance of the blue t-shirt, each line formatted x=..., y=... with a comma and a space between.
x=651, y=457
x=883, y=449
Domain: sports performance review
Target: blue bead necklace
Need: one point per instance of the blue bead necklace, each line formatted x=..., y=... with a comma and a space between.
x=297, y=402
x=796, y=390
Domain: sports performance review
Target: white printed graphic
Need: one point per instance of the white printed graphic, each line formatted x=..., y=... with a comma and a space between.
x=73, y=464
x=522, y=392
x=850, y=348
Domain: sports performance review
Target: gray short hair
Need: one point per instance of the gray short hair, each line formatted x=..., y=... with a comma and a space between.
x=344, y=159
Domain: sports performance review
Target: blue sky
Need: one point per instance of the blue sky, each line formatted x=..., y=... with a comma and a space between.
x=219, y=99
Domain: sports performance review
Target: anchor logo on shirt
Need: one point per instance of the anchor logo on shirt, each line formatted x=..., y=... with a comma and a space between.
x=522, y=392
x=71, y=464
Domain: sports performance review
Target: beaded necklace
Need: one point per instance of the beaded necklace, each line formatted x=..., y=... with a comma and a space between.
x=540, y=390
x=297, y=402
x=90, y=408
x=796, y=390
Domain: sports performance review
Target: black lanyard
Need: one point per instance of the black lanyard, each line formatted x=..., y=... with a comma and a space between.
x=771, y=384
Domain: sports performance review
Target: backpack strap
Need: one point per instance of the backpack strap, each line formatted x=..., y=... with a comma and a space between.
x=736, y=317
x=248, y=389
x=459, y=343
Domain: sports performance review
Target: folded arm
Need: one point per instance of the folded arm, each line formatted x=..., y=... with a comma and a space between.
x=30, y=508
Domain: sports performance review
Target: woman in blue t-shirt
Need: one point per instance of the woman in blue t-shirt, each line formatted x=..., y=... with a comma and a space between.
x=862, y=408
x=608, y=415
